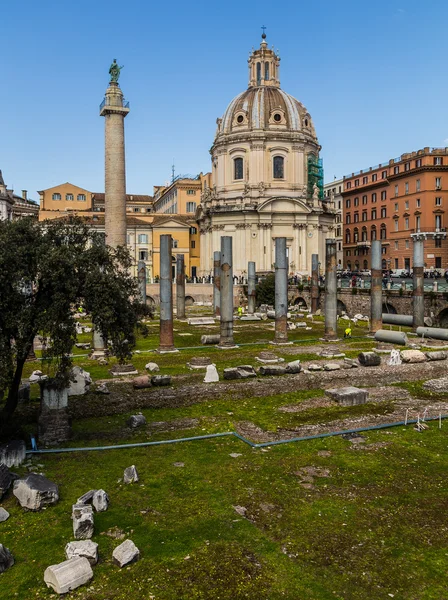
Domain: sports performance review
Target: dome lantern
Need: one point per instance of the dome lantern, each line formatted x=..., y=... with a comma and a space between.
x=264, y=66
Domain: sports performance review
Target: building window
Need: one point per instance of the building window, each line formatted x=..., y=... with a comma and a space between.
x=406, y=244
x=383, y=213
x=356, y=218
x=383, y=195
x=364, y=215
x=438, y=222
x=193, y=244
x=438, y=183
x=383, y=232
x=348, y=185
x=364, y=234
x=193, y=192
x=365, y=179
x=417, y=185
x=69, y=197
x=406, y=205
x=374, y=177
x=396, y=224
x=279, y=170
x=406, y=188
x=373, y=234
x=417, y=224
x=438, y=242
x=356, y=182
x=347, y=203
x=373, y=214
x=396, y=191
x=175, y=243
x=191, y=207
x=142, y=238
x=238, y=168
x=355, y=235
x=56, y=197
x=438, y=160
x=439, y=201
x=136, y=209
x=347, y=236
x=364, y=199
x=374, y=197
x=356, y=202
x=193, y=230
x=396, y=170
x=384, y=175
x=406, y=223
x=258, y=73
x=348, y=253
x=396, y=206
x=347, y=219
x=143, y=255
x=407, y=166
x=417, y=203
x=383, y=251
x=81, y=197
x=418, y=163
x=266, y=71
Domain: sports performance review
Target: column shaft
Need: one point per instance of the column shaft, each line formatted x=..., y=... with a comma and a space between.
x=141, y=271
x=226, y=292
x=418, y=300
x=166, y=295
x=115, y=181
x=251, y=282
x=180, y=286
x=314, y=282
x=331, y=301
x=376, y=289
x=216, y=282
x=281, y=291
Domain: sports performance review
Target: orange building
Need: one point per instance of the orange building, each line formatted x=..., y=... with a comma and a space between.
x=391, y=202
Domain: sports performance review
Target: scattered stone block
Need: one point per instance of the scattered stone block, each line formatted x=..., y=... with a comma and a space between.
x=152, y=367
x=272, y=370
x=270, y=314
x=120, y=370
x=102, y=389
x=4, y=515
x=350, y=363
x=369, y=359
x=412, y=356
x=6, y=558
x=140, y=383
x=5, y=480
x=83, y=548
x=136, y=421
x=208, y=340
x=241, y=372
x=13, y=453
x=87, y=497
x=125, y=553
x=348, y=396
x=100, y=501
x=332, y=367
x=211, y=374
x=37, y=377
x=35, y=491
x=269, y=358
x=441, y=355
x=130, y=475
x=83, y=523
x=294, y=367
x=199, y=362
x=80, y=381
x=250, y=318
x=160, y=380
x=68, y=575
x=314, y=367
x=201, y=321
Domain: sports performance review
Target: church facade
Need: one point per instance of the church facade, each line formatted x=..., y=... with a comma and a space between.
x=266, y=179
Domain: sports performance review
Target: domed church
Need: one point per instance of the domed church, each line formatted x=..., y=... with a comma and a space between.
x=267, y=178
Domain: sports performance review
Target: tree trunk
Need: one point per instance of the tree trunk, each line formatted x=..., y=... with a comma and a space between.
x=13, y=393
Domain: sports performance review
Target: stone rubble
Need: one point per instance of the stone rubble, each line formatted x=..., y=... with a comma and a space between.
x=152, y=367
x=5, y=480
x=130, y=475
x=142, y=382
x=83, y=523
x=293, y=367
x=135, y=421
x=441, y=355
x=412, y=356
x=86, y=498
x=241, y=372
x=80, y=381
x=35, y=491
x=211, y=374
x=85, y=548
x=100, y=501
x=125, y=553
x=348, y=396
x=6, y=558
x=13, y=453
x=102, y=389
x=272, y=370
x=161, y=380
x=4, y=515
x=369, y=359
x=68, y=575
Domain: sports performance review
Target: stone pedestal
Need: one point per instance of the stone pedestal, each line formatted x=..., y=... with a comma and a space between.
x=53, y=423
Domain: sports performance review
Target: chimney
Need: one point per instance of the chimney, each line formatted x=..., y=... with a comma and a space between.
x=24, y=193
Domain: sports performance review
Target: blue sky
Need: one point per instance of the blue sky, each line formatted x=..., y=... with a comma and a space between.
x=372, y=75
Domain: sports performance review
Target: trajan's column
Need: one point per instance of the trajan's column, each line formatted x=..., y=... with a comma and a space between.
x=114, y=108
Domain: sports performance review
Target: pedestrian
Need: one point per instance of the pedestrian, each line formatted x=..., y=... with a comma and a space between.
x=348, y=332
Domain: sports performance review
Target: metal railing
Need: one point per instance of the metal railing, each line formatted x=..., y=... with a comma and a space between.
x=106, y=102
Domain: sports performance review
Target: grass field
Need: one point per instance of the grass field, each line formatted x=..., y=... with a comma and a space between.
x=314, y=520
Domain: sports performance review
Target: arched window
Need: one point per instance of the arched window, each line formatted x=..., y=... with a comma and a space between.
x=349, y=265
x=355, y=234
x=347, y=219
x=384, y=264
x=258, y=73
x=279, y=167
x=373, y=233
x=438, y=222
x=266, y=71
x=383, y=232
x=364, y=234
x=366, y=264
x=238, y=168
x=347, y=236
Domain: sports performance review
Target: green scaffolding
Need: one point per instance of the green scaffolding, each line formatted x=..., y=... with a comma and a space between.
x=315, y=175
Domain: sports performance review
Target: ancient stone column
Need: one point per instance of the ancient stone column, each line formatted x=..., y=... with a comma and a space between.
x=114, y=109
x=166, y=295
x=331, y=300
x=141, y=271
x=418, y=300
x=251, y=282
x=314, y=282
x=226, y=293
x=376, y=289
x=180, y=286
x=281, y=292
x=216, y=282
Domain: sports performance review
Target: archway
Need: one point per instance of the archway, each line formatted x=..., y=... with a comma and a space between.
x=388, y=308
x=189, y=300
x=341, y=308
x=150, y=301
x=300, y=302
x=442, y=318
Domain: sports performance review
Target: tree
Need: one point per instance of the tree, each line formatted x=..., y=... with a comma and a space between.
x=265, y=290
x=46, y=271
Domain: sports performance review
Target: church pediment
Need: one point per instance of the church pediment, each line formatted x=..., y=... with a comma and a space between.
x=282, y=204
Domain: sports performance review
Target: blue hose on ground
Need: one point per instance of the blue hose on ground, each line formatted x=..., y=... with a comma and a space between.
x=238, y=436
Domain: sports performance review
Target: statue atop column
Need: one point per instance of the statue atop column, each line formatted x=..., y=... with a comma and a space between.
x=114, y=71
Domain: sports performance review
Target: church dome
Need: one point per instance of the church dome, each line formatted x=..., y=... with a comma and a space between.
x=264, y=105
